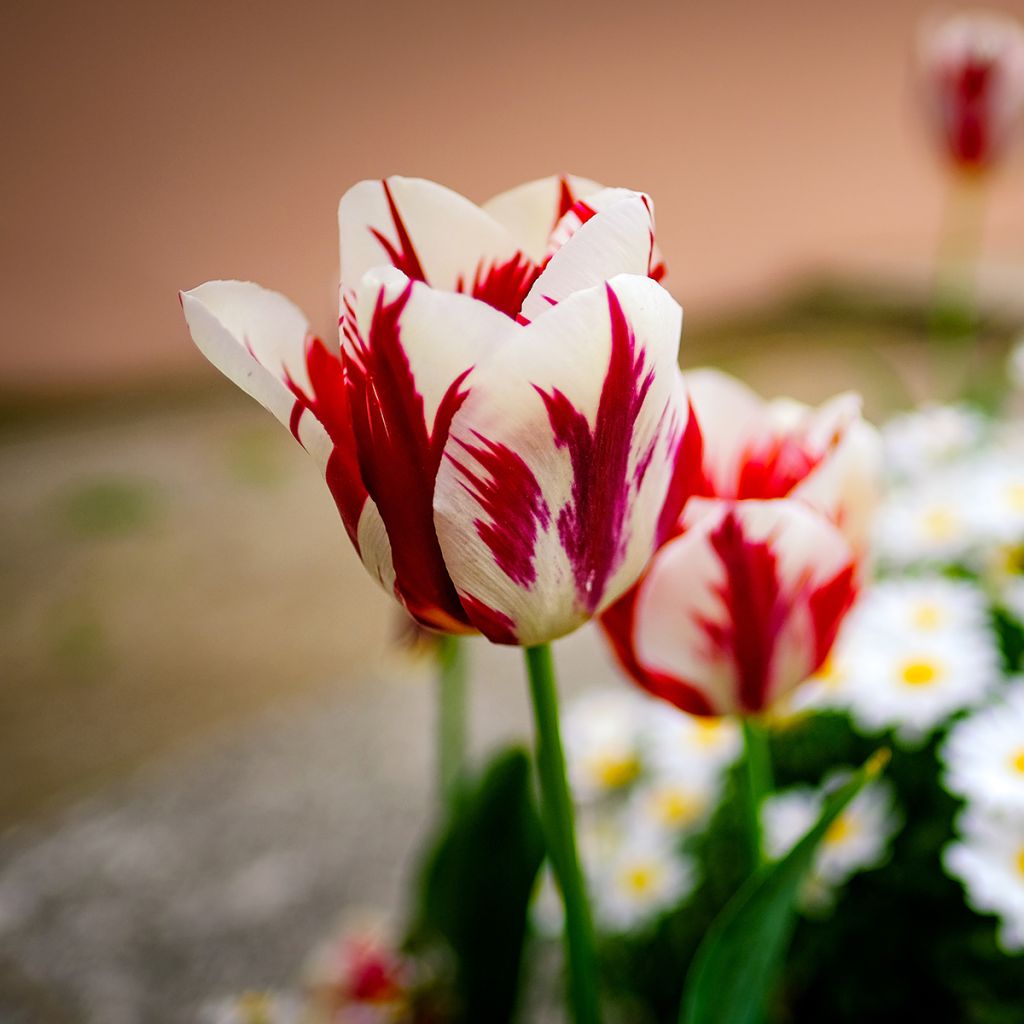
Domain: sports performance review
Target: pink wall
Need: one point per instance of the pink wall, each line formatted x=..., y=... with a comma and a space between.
x=152, y=146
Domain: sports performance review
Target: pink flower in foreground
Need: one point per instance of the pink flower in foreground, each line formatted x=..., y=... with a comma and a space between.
x=973, y=67
x=498, y=428
x=744, y=599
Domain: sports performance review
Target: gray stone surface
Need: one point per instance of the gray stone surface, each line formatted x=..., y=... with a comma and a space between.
x=218, y=868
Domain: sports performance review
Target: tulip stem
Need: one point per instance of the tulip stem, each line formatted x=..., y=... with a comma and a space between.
x=451, y=729
x=557, y=815
x=757, y=784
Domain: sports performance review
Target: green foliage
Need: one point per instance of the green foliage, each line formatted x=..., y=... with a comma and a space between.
x=476, y=887
x=741, y=957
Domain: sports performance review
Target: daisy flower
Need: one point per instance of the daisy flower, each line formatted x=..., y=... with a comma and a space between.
x=675, y=803
x=913, y=682
x=997, y=508
x=682, y=744
x=645, y=877
x=988, y=859
x=856, y=841
x=984, y=754
x=602, y=733
x=922, y=605
x=917, y=442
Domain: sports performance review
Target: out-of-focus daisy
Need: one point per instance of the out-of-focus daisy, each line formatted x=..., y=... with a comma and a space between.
x=924, y=605
x=997, y=506
x=680, y=743
x=912, y=683
x=675, y=803
x=856, y=841
x=989, y=860
x=253, y=1008
x=646, y=877
x=931, y=522
x=916, y=442
x=603, y=742
x=984, y=754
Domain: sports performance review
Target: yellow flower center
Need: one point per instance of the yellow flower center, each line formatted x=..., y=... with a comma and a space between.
x=676, y=807
x=939, y=524
x=1017, y=761
x=640, y=879
x=1015, y=497
x=614, y=772
x=926, y=615
x=840, y=830
x=919, y=673
x=1020, y=860
x=708, y=731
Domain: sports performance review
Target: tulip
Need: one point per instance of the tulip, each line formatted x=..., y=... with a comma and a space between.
x=744, y=599
x=973, y=68
x=498, y=428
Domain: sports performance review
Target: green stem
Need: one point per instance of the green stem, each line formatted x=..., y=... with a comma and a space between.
x=757, y=779
x=557, y=814
x=451, y=728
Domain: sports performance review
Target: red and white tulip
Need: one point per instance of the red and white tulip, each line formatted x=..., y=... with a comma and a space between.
x=744, y=599
x=499, y=426
x=973, y=69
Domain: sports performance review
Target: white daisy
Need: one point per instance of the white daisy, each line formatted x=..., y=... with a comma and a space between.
x=856, y=841
x=676, y=803
x=253, y=1008
x=912, y=683
x=997, y=505
x=646, y=877
x=925, y=605
x=916, y=442
x=931, y=522
x=984, y=755
x=602, y=734
x=680, y=743
x=989, y=860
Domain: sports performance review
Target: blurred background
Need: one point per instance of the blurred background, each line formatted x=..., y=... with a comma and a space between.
x=209, y=744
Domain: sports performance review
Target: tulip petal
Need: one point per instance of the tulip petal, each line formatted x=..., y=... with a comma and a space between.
x=611, y=233
x=530, y=212
x=559, y=461
x=743, y=605
x=409, y=354
x=434, y=235
x=261, y=341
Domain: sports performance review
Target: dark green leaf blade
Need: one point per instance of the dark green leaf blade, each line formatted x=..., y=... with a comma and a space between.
x=739, y=958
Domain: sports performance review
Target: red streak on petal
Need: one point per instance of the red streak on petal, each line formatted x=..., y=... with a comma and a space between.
x=755, y=610
x=402, y=254
x=503, y=285
x=774, y=468
x=592, y=524
x=968, y=95
x=495, y=625
x=399, y=458
x=618, y=624
x=328, y=403
x=565, y=199
x=829, y=604
x=688, y=479
x=514, y=503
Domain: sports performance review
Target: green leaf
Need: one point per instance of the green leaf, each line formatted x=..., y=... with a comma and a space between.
x=477, y=885
x=738, y=962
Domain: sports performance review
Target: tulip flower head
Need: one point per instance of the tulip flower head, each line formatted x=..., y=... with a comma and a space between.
x=973, y=69
x=499, y=426
x=745, y=598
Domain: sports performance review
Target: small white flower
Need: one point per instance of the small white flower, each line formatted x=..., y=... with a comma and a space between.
x=253, y=1008
x=603, y=742
x=984, y=754
x=931, y=522
x=912, y=683
x=646, y=877
x=989, y=860
x=675, y=803
x=681, y=743
x=856, y=841
x=997, y=490
x=916, y=442
x=922, y=605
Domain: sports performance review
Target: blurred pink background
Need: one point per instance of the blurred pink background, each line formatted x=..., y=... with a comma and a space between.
x=152, y=146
